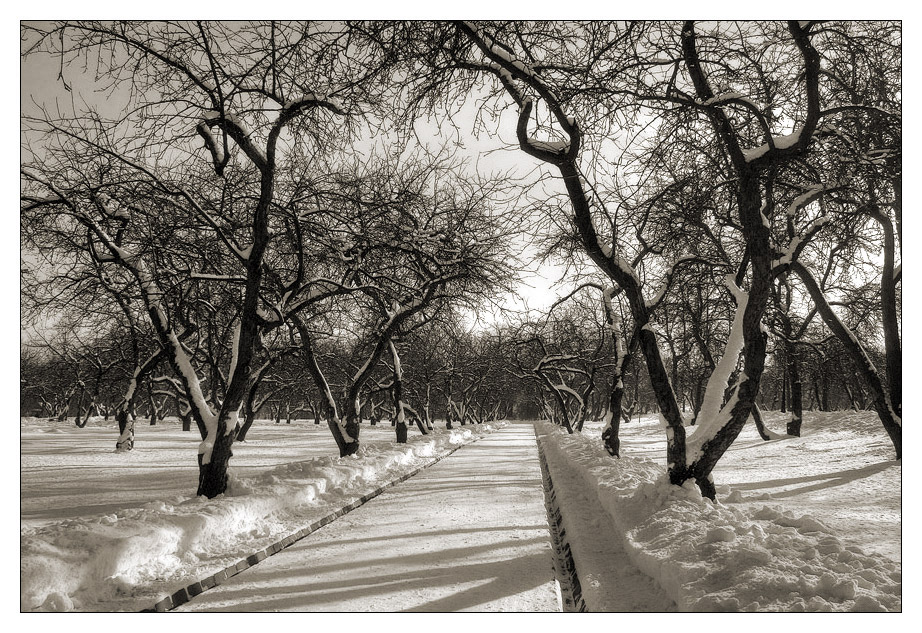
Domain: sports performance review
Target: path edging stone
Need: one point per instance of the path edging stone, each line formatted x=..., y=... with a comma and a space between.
x=571, y=595
x=185, y=594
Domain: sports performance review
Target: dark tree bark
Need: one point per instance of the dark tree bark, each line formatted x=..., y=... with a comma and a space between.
x=891, y=323
x=125, y=419
x=249, y=410
x=346, y=445
x=448, y=385
x=797, y=394
x=610, y=435
x=155, y=414
x=881, y=400
x=400, y=420
x=760, y=424
x=124, y=413
x=80, y=422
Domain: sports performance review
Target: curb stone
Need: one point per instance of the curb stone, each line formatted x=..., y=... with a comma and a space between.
x=570, y=590
x=185, y=594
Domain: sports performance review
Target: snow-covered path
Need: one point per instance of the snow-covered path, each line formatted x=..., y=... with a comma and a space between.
x=468, y=534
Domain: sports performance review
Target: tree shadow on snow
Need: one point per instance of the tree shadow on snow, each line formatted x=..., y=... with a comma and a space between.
x=825, y=480
x=274, y=589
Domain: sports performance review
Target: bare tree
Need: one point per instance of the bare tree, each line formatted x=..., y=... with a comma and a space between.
x=568, y=99
x=214, y=82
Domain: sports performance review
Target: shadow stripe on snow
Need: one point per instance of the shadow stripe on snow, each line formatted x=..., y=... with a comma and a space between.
x=185, y=594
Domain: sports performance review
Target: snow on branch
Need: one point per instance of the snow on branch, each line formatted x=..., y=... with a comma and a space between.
x=553, y=147
x=615, y=257
x=111, y=207
x=235, y=351
x=735, y=98
x=554, y=358
x=235, y=128
x=774, y=143
x=218, y=156
x=509, y=68
x=311, y=100
x=799, y=242
x=712, y=417
x=564, y=388
x=215, y=277
x=811, y=194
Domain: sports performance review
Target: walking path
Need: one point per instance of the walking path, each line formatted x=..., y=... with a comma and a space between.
x=468, y=534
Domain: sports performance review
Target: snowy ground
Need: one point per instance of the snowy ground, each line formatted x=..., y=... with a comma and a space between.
x=802, y=524
x=841, y=470
x=811, y=523
x=104, y=531
x=467, y=534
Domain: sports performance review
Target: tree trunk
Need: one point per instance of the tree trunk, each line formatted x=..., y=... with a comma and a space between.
x=448, y=405
x=427, y=415
x=784, y=387
x=755, y=339
x=882, y=404
x=248, y=418
x=610, y=434
x=824, y=398
x=80, y=423
x=213, y=475
x=125, y=421
x=760, y=424
x=890, y=318
x=347, y=445
x=797, y=395
x=351, y=427
x=855, y=399
x=399, y=408
x=249, y=410
x=64, y=408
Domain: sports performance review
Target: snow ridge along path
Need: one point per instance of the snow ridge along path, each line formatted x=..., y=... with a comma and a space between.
x=594, y=570
x=569, y=593
x=467, y=534
x=183, y=595
x=72, y=558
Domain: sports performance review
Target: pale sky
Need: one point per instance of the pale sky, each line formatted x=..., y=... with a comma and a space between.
x=40, y=84
x=39, y=81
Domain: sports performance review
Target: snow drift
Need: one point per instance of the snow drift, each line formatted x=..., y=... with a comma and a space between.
x=127, y=559
x=711, y=557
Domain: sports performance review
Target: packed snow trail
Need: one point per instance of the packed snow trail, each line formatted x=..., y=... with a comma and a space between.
x=468, y=534
x=608, y=581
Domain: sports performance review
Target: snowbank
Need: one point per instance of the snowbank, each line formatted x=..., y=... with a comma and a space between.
x=127, y=559
x=711, y=557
